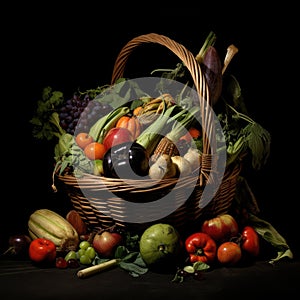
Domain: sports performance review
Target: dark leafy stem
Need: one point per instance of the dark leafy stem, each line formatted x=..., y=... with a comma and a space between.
x=240, y=115
x=252, y=136
x=45, y=125
x=54, y=119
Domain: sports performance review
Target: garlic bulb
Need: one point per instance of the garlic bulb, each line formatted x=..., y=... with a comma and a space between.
x=193, y=155
x=163, y=168
x=182, y=164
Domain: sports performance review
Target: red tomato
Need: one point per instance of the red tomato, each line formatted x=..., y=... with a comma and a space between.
x=201, y=247
x=82, y=139
x=61, y=263
x=42, y=250
x=95, y=151
x=117, y=135
x=221, y=228
x=229, y=253
x=250, y=241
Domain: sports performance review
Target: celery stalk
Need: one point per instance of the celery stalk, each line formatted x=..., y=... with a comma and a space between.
x=182, y=123
x=151, y=136
x=104, y=124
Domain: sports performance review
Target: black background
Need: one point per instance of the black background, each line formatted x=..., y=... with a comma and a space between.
x=76, y=46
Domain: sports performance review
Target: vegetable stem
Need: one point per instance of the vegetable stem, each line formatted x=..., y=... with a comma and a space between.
x=210, y=41
x=232, y=50
x=241, y=115
x=97, y=268
x=180, y=126
x=161, y=70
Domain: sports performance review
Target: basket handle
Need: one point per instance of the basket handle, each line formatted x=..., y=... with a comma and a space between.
x=199, y=81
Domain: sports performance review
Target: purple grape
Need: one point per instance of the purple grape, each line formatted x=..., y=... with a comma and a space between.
x=79, y=113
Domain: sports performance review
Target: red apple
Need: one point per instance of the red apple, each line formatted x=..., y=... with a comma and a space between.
x=117, y=135
x=221, y=228
x=105, y=243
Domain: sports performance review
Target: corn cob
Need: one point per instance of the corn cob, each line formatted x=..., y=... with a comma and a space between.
x=165, y=146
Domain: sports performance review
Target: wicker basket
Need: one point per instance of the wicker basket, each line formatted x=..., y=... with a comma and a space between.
x=104, y=202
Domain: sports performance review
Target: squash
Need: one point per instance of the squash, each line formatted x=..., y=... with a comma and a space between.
x=45, y=223
x=160, y=246
x=132, y=123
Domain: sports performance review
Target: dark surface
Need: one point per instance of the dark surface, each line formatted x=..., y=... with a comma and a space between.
x=75, y=47
x=257, y=281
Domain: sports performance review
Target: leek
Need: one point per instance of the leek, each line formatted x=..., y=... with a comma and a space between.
x=151, y=136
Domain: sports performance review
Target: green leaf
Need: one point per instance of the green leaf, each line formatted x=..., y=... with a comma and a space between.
x=139, y=261
x=271, y=235
x=44, y=127
x=200, y=266
x=131, y=261
x=99, y=260
x=121, y=93
x=133, y=269
x=131, y=256
x=121, y=252
x=259, y=143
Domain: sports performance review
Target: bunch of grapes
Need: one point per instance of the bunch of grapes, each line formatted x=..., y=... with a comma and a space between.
x=80, y=112
x=84, y=256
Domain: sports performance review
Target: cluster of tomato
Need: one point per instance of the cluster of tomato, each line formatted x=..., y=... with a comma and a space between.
x=220, y=240
x=95, y=150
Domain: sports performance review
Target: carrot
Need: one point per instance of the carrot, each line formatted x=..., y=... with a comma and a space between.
x=193, y=133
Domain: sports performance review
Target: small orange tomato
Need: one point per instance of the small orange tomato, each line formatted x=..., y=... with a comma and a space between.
x=94, y=151
x=82, y=139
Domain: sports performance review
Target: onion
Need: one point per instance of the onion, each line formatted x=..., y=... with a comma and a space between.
x=183, y=165
x=18, y=245
x=193, y=155
x=163, y=168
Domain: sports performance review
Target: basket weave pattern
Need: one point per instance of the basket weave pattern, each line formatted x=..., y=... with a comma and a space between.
x=109, y=196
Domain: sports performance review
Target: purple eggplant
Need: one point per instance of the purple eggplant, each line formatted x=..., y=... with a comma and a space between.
x=127, y=160
x=212, y=69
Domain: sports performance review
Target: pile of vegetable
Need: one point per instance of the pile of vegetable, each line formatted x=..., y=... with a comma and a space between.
x=221, y=241
x=121, y=131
